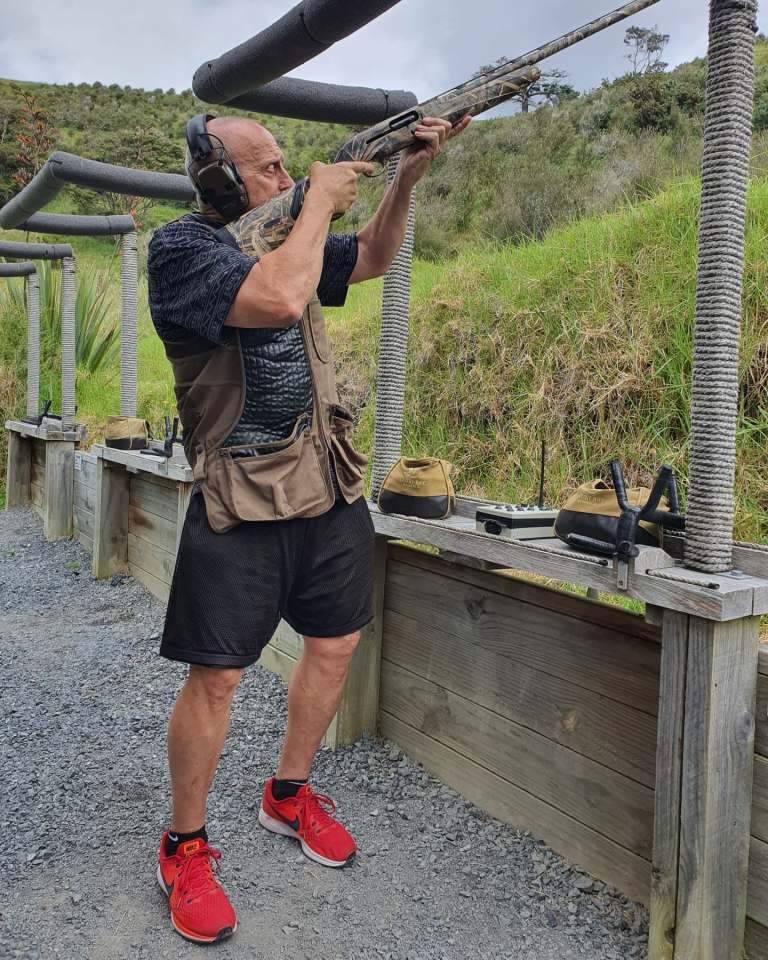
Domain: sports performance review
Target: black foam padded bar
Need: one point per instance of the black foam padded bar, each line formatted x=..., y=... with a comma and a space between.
x=299, y=35
x=61, y=168
x=37, y=251
x=74, y=225
x=327, y=102
x=17, y=269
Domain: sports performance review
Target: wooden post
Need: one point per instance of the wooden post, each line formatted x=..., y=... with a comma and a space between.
x=110, y=522
x=19, y=472
x=359, y=708
x=59, y=493
x=703, y=788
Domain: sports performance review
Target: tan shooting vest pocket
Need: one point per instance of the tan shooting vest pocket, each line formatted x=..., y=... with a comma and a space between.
x=351, y=463
x=284, y=482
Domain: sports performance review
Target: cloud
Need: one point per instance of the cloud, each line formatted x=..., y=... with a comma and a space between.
x=422, y=45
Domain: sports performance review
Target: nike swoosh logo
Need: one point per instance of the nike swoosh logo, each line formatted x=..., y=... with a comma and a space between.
x=293, y=823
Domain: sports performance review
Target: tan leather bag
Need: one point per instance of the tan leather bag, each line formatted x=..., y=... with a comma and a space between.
x=418, y=487
x=126, y=433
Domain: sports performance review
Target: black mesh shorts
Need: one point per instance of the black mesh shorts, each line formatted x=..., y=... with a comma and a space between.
x=230, y=590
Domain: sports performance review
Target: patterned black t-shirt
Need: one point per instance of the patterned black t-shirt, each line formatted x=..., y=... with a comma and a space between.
x=193, y=278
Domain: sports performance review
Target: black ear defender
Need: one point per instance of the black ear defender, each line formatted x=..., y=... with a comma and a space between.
x=213, y=171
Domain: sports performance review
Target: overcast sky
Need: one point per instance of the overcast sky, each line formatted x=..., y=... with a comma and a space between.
x=422, y=45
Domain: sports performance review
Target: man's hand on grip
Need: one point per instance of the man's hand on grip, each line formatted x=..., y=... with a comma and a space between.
x=337, y=182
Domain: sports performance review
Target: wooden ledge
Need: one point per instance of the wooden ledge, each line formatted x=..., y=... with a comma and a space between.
x=175, y=468
x=47, y=430
x=654, y=577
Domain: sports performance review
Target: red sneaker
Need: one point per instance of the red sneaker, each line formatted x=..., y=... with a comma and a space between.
x=200, y=910
x=307, y=817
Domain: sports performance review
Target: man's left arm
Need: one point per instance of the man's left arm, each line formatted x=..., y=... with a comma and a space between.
x=380, y=239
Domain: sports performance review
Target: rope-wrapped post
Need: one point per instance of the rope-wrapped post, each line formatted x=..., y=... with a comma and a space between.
x=393, y=346
x=727, y=137
x=68, y=343
x=33, y=345
x=129, y=283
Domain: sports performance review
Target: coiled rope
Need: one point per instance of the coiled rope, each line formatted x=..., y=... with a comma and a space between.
x=393, y=347
x=727, y=137
x=129, y=283
x=67, y=343
x=33, y=345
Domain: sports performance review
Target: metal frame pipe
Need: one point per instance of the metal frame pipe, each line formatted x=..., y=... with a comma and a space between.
x=17, y=269
x=62, y=168
x=302, y=33
x=76, y=225
x=36, y=251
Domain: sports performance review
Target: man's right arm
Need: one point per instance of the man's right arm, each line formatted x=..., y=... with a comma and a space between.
x=281, y=283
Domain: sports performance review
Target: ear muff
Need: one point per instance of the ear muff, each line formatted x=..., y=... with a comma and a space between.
x=213, y=171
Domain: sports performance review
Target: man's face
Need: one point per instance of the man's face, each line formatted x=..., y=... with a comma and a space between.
x=260, y=163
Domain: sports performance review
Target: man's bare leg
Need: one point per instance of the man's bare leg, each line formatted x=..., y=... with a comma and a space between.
x=196, y=734
x=314, y=692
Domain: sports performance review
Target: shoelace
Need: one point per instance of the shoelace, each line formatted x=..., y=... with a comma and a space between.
x=318, y=808
x=195, y=876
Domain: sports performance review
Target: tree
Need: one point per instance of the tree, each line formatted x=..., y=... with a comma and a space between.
x=35, y=138
x=549, y=88
x=646, y=46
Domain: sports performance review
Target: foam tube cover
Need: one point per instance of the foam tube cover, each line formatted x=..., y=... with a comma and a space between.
x=61, y=168
x=299, y=35
x=17, y=269
x=327, y=102
x=38, y=251
x=75, y=225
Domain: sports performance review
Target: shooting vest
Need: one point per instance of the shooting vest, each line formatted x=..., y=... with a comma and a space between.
x=293, y=477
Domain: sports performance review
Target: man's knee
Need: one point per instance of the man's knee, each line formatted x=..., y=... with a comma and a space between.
x=333, y=650
x=216, y=685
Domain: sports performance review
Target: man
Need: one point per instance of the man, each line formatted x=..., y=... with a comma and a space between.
x=223, y=315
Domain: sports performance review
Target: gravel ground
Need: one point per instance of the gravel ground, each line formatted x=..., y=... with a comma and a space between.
x=84, y=797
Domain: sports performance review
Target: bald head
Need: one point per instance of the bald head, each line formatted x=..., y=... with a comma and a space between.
x=257, y=156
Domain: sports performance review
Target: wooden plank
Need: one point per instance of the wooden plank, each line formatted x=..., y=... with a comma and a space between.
x=761, y=716
x=509, y=584
x=150, y=557
x=86, y=541
x=110, y=539
x=756, y=941
x=277, y=661
x=175, y=468
x=578, y=843
x=85, y=496
x=158, y=588
x=87, y=472
x=287, y=640
x=59, y=489
x=155, y=530
x=154, y=496
x=608, y=802
x=18, y=471
x=615, y=665
x=84, y=522
x=38, y=452
x=615, y=734
x=358, y=710
x=757, y=892
x=36, y=496
x=37, y=474
x=716, y=793
x=759, y=827
x=669, y=756
x=183, y=496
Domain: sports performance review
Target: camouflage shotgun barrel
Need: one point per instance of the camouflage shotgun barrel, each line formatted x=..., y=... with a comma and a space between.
x=261, y=230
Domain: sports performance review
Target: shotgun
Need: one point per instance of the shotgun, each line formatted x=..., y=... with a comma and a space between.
x=263, y=229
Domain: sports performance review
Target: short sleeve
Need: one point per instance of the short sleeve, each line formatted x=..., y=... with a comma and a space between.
x=338, y=263
x=192, y=280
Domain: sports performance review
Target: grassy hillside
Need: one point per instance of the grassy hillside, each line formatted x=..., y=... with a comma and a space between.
x=583, y=338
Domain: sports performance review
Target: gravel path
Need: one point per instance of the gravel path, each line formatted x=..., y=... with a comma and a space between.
x=84, y=794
